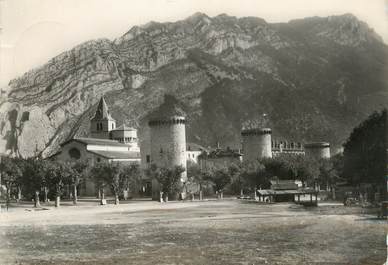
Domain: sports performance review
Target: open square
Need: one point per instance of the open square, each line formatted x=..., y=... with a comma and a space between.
x=208, y=232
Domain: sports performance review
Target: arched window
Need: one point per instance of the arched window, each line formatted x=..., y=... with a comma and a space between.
x=74, y=153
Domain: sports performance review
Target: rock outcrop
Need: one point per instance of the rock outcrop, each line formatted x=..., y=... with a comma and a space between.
x=315, y=79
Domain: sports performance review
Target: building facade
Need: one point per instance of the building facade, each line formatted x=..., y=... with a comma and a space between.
x=105, y=144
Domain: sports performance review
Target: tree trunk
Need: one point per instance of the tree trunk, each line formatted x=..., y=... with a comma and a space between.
x=201, y=195
x=36, y=200
x=68, y=191
x=254, y=193
x=161, y=197
x=192, y=196
x=166, y=198
x=117, y=201
x=75, y=198
x=19, y=194
x=45, y=194
x=241, y=192
x=333, y=192
x=99, y=193
x=57, y=201
x=8, y=196
x=221, y=195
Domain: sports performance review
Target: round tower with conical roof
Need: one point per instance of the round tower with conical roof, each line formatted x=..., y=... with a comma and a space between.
x=256, y=143
x=168, y=139
x=102, y=123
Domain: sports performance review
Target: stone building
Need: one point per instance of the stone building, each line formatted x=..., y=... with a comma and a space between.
x=106, y=144
x=193, y=151
x=168, y=146
x=285, y=147
x=256, y=143
x=167, y=130
x=219, y=158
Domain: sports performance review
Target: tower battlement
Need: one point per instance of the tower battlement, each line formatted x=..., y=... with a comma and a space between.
x=167, y=121
x=317, y=145
x=256, y=131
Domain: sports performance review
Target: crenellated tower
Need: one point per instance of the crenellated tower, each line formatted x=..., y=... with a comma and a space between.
x=168, y=139
x=256, y=143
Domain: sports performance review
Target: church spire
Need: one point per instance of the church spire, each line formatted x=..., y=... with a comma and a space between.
x=102, y=112
x=102, y=123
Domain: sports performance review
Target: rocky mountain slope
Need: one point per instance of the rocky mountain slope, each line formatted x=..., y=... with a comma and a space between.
x=315, y=78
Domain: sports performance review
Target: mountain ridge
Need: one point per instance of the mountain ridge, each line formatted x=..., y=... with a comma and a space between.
x=327, y=73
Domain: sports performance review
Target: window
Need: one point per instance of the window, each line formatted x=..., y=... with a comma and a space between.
x=99, y=126
x=98, y=160
x=148, y=158
x=74, y=153
x=113, y=126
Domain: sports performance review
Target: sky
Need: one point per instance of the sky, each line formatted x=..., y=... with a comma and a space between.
x=34, y=31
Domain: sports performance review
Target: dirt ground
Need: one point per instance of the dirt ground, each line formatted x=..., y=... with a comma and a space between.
x=209, y=232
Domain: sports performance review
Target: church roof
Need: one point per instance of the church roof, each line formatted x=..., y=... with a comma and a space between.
x=116, y=154
x=96, y=141
x=102, y=112
x=124, y=127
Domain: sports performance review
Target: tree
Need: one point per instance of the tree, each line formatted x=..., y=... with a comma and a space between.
x=292, y=166
x=115, y=178
x=33, y=178
x=57, y=174
x=327, y=174
x=219, y=177
x=98, y=175
x=132, y=177
x=196, y=177
x=169, y=179
x=253, y=174
x=11, y=173
x=237, y=181
x=365, y=154
x=77, y=176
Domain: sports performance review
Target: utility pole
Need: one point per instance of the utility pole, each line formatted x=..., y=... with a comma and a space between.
x=385, y=195
x=1, y=161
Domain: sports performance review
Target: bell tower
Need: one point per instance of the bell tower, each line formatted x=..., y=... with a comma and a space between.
x=102, y=122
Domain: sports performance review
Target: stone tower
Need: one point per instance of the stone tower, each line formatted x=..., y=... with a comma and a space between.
x=256, y=143
x=167, y=140
x=102, y=122
x=317, y=150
